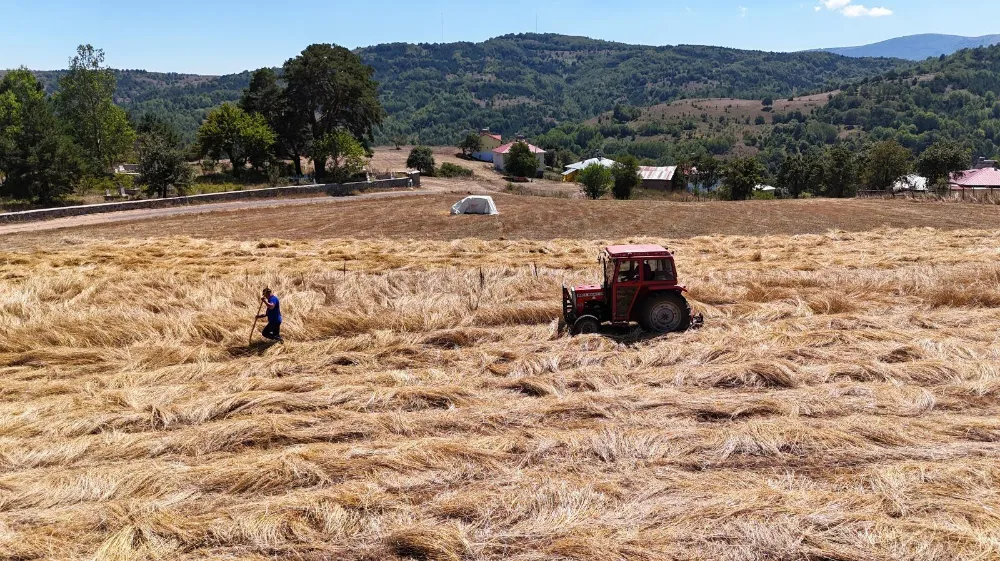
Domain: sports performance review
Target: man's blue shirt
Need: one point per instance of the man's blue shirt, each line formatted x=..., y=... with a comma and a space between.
x=274, y=314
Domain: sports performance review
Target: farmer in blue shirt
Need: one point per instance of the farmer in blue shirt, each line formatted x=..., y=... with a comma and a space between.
x=272, y=330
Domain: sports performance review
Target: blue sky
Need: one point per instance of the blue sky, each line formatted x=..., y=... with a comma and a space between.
x=214, y=37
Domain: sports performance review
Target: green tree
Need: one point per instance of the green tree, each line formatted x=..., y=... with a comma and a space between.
x=230, y=132
x=596, y=180
x=330, y=89
x=162, y=162
x=422, y=159
x=150, y=124
x=86, y=104
x=344, y=154
x=470, y=144
x=162, y=166
x=741, y=175
x=840, y=172
x=940, y=160
x=520, y=161
x=797, y=175
x=708, y=172
x=37, y=161
x=265, y=96
x=883, y=164
x=626, y=177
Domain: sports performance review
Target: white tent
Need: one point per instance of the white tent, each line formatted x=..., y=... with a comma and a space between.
x=910, y=183
x=764, y=188
x=475, y=205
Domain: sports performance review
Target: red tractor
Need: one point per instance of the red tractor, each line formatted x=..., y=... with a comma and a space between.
x=640, y=285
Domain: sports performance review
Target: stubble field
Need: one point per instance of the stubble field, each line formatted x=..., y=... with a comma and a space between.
x=840, y=402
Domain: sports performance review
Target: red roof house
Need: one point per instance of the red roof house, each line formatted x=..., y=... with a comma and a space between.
x=499, y=160
x=988, y=178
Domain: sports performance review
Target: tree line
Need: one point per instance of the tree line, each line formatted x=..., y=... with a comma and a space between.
x=49, y=143
x=323, y=106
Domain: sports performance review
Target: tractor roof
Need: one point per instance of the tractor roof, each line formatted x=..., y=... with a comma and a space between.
x=637, y=251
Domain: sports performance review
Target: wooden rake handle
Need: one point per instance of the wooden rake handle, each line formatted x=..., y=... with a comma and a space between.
x=255, y=318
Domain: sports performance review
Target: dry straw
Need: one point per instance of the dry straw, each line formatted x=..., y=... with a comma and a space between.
x=840, y=403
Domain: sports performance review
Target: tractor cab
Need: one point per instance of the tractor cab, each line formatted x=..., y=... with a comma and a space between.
x=639, y=285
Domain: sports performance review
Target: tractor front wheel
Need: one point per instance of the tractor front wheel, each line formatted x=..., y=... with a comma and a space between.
x=665, y=312
x=585, y=325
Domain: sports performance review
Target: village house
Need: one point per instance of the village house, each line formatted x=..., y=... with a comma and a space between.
x=659, y=178
x=573, y=170
x=984, y=179
x=499, y=155
x=488, y=142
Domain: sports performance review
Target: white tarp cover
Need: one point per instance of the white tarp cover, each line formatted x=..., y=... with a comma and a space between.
x=475, y=205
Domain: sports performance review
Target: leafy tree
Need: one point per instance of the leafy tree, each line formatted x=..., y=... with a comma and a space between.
x=398, y=141
x=565, y=157
x=741, y=175
x=155, y=125
x=86, y=103
x=768, y=102
x=265, y=96
x=422, y=159
x=797, y=175
x=38, y=162
x=883, y=164
x=470, y=144
x=708, y=174
x=520, y=161
x=626, y=177
x=940, y=160
x=596, y=180
x=345, y=155
x=231, y=132
x=330, y=89
x=840, y=172
x=162, y=162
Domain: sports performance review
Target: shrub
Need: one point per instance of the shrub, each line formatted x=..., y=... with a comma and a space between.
x=422, y=159
x=596, y=180
x=626, y=177
x=449, y=169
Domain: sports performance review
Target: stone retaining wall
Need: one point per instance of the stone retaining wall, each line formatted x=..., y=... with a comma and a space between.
x=331, y=189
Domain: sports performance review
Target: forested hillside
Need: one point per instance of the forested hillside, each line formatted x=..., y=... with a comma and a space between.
x=517, y=83
x=529, y=83
x=957, y=98
x=183, y=100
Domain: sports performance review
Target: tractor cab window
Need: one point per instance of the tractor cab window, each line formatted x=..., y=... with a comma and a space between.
x=658, y=270
x=609, y=271
x=628, y=271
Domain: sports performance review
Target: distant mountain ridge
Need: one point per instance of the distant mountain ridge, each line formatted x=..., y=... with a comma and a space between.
x=917, y=47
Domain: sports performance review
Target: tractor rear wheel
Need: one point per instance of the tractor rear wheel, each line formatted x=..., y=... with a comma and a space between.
x=665, y=312
x=585, y=325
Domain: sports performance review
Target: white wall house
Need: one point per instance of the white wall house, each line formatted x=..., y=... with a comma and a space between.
x=499, y=156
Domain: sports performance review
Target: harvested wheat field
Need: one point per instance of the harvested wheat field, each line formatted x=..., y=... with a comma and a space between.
x=839, y=404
